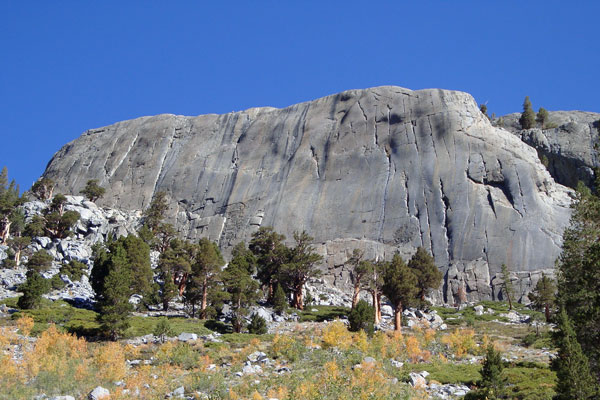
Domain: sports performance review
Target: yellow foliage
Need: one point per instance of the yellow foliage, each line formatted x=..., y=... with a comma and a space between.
x=110, y=362
x=55, y=352
x=360, y=341
x=25, y=324
x=331, y=371
x=460, y=342
x=429, y=336
x=337, y=335
x=256, y=396
x=278, y=393
x=413, y=350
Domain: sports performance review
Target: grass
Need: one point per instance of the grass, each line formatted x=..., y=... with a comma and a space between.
x=530, y=383
x=466, y=374
x=323, y=313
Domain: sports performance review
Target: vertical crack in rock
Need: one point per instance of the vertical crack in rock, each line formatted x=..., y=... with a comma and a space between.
x=521, y=194
x=385, y=194
x=162, y=162
x=445, y=222
x=491, y=201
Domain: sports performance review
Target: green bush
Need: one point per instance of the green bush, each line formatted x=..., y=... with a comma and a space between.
x=257, y=325
x=362, y=316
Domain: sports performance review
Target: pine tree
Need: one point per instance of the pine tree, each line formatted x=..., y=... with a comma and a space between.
x=33, y=289
x=359, y=270
x=138, y=256
x=299, y=267
x=241, y=287
x=527, y=119
x=92, y=190
x=542, y=117
x=362, y=316
x=374, y=284
x=492, y=383
x=155, y=213
x=424, y=268
x=579, y=273
x=544, y=295
x=43, y=188
x=176, y=261
x=575, y=380
x=507, y=288
x=204, y=271
x=270, y=252
x=484, y=110
x=257, y=325
x=279, y=300
x=112, y=280
x=400, y=287
x=168, y=290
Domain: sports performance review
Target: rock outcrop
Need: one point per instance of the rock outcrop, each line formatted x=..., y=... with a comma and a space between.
x=383, y=169
x=569, y=149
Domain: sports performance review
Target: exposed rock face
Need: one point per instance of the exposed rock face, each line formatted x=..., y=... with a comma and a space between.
x=384, y=169
x=570, y=149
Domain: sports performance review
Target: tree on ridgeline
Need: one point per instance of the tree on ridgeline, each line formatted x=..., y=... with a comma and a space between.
x=400, y=287
x=527, y=119
x=43, y=189
x=542, y=117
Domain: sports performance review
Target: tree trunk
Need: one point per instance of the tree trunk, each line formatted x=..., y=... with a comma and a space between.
x=547, y=312
x=375, y=307
x=181, y=282
x=299, y=298
x=5, y=230
x=379, y=306
x=18, y=257
x=355, y=295
x=204, y=302
x=398, y=317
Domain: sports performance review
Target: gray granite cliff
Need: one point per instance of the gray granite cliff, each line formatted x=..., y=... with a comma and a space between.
x=384, y=169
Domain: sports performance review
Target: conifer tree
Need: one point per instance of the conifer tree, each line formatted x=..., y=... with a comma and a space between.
x=544, y=295
x=300, y=266
x=374, y=284
x=360, y=269
x=270, y=252
x=527, y=119
x=43, y=188
x=507, y=288
x=207, y=265
x=400, y=287
x=428, y=275
x=279, y=300
x=176, y=262
x=575, y=380
x=492, y=383
x=111, y=280
x=542, y=117
x=579, y=273
x=33, y=289
x=92, y=190
x=239, y=284
x=362, y=316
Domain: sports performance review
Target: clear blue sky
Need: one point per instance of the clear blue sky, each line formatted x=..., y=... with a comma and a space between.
x=68, y=66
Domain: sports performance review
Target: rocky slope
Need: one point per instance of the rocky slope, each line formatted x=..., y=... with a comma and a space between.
x=384, y=169
x=569, y=149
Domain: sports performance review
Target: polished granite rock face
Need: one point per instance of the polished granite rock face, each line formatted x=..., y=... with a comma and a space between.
x=384, y=169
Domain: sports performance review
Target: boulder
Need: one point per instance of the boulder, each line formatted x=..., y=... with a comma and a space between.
x=187, y=337
x=99, y=393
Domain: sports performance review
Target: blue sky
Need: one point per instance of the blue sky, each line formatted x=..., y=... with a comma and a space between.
x=69, y=66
